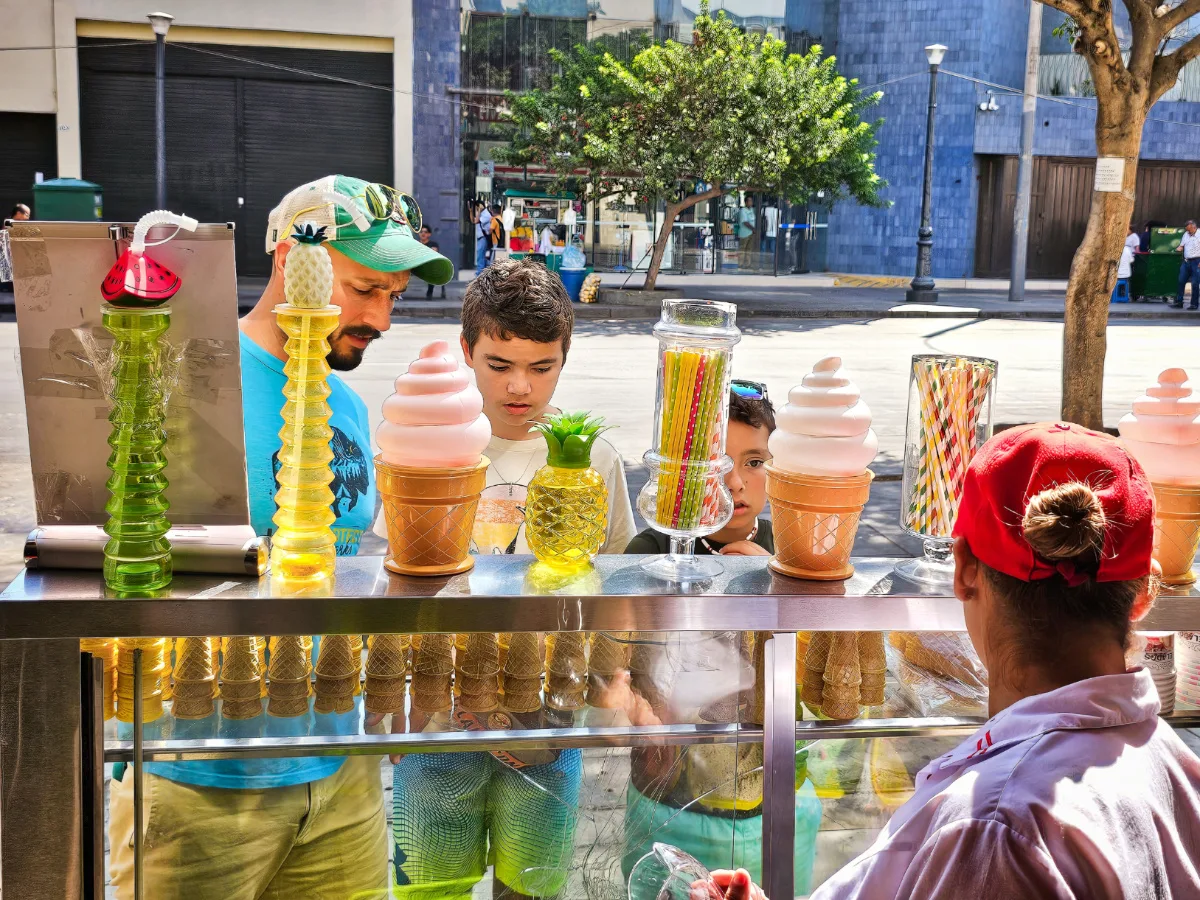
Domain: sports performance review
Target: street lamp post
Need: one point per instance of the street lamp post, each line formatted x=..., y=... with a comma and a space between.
x=922, y=289
x=161, y=23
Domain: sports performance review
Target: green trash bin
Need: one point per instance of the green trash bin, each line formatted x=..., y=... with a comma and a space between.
x=67, y=200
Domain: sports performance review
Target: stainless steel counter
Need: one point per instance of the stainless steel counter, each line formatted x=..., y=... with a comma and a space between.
x=503, y=593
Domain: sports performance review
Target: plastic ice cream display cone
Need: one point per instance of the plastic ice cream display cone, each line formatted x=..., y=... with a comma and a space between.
x=137, y=556
x=339, y=671
x=241, y=678
x=1163, y=434
x=566, y=514
x=818, y=480
x=685, y=496
x=303, y=547
x=195, y=688
x=289, y=676
x=433, y=669
x=153, y=666
x=387, y=672
x=949, y=419
x=431, y=469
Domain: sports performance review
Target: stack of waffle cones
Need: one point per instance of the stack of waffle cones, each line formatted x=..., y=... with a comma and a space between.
x=289, y=676
x=644, y=661
x=153, y=665
x=566, y=670
x=523, y=664
x=387, y=671
x=195, y=678
x=843, y=671
x=433, y=670
x=241, y=678
x=815, y=520
x=168, y=661
x=430, y=514
x=106, y=650
x=477, y=678
x=608, y=659
x=339, y=670
x=1176, y=530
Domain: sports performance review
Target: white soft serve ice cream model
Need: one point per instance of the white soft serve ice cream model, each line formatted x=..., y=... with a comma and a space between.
x=1163, y=434
x=430, y=465
x=818, y=479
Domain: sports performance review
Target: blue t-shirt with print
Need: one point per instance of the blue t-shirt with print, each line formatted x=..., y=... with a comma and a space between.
x=354, y=505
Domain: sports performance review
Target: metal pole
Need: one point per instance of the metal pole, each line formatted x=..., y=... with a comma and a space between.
x=779, y=765
x=160, y=122
x=1020, y=245
x=138, y=713
x=922, y=287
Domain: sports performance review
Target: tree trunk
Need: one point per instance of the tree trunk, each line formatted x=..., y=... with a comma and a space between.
x=670, y=214
x=1094, y=269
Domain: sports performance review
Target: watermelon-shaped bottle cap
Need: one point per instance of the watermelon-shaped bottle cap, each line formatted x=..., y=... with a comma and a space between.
x=137, y=280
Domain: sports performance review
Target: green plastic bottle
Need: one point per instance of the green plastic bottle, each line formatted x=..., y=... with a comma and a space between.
x=137, y=556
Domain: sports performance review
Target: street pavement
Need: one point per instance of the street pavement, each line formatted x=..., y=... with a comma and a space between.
x=611, y=370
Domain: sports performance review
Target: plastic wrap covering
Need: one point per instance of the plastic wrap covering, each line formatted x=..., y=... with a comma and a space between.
x=939, y=673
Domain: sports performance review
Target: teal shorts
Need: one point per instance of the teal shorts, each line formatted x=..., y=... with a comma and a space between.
x=454, y=813
x=716, y=841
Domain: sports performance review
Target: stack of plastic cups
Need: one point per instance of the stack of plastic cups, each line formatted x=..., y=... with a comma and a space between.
x=1187, y=653
x=105, y=649
x=1158, y=657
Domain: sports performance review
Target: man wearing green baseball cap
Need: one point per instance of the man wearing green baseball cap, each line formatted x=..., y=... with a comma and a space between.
x=306, y=827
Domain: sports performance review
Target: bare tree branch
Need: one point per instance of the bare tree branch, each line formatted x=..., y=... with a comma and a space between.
x=1166, y=68
x=1178, y=15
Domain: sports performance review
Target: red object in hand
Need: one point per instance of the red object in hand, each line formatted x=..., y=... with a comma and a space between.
x=137, y=280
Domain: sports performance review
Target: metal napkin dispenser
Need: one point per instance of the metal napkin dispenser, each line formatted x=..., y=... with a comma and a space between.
x=57, y=271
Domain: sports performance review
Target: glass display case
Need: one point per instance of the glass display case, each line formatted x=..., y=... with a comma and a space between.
x=566, y=723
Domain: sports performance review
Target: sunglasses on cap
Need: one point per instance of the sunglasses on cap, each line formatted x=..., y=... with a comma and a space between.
x=748, y=390
x=384, y=202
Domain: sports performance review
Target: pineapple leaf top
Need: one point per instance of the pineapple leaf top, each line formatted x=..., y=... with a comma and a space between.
x=308, y=233
x=570, y=437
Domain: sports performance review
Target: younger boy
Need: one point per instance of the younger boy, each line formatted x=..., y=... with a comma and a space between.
x=455, y=813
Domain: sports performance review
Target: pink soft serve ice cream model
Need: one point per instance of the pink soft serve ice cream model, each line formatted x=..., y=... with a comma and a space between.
x=1163, y=434
x=818, y=479
x=435, y=419
x=431, y=466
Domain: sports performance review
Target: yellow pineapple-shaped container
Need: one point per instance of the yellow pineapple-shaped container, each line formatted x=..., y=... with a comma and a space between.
x=566, y=516
x=303, y=548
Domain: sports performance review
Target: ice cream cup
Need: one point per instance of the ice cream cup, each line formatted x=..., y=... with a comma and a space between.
x=430, y=514
x=1176, y=530
x=815, y=520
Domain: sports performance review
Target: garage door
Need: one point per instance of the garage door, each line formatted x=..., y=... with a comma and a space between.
x=241, y=132
x=28, y=148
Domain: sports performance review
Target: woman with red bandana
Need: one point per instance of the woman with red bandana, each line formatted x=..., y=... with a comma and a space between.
x=1073, y=788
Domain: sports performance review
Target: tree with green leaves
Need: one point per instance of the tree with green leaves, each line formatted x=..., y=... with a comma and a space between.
x=686, y=122
x=1126, y=86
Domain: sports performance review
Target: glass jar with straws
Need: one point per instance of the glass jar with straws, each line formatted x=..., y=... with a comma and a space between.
x=685, y=496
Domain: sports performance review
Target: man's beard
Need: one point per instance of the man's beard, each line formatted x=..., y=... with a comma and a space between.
x=343, y=359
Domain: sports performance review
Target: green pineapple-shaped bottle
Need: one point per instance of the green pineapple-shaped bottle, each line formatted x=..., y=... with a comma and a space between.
x=566, y=514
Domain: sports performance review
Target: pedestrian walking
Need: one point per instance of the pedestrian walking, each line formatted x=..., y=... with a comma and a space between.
x=747, y=223
x=482, y=219
x=425, y=236
x=1189, y=271
x=20, y=213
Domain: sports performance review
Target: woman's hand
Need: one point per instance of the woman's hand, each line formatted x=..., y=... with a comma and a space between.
x=725, y=885
x=744, y=548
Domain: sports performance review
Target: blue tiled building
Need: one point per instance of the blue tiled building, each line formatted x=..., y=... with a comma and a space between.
x=470, y=51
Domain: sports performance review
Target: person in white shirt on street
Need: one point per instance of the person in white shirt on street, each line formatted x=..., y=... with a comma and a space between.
x=1189, y=271
x=1074, y=789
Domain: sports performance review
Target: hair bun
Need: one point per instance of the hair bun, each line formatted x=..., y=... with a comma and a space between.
x=1065, y=522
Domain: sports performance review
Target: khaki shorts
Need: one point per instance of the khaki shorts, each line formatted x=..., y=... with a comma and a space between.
x=326, y=840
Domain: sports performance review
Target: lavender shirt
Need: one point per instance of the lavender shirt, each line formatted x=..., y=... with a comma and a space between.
x=1078, y=793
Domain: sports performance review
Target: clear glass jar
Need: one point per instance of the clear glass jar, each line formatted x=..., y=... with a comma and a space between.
x=685, y=496
x=949, y=418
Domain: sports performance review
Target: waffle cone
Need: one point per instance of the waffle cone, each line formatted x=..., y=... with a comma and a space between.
x=435, y=655
x=431, y=692
x=566, y=654
x=336, y=659
x=289, y=666
x=812, y=691
x=287, y=708
x=842, y=670
x=723, y=711
x=340, y=702
x=1176, y=530
x=565, y=692
x=241, y=709
x=818, y=651
x=758, y=702
x=240, y=661
x=871, y=655
x=195, y=690
x=480, y=656
x=430, y=514
x=526, y=655
x=484, y=702
x=188, y=707
x=153, y=650
x=152, y=708
x=522, y=701
x=872, y=689
x=384, y=695
x=815, y=520
x=842, y=710
x=193, y=659
x=610, y=653
x=478, y=684
x=388, y=656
